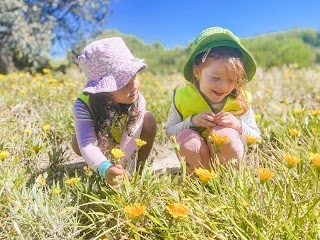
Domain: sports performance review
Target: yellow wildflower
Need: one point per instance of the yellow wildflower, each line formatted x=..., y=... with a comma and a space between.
x=298, y=111
x=204, y=174
x=291, y=160
x=27, y=131
x=135, y=210
x=257, y=116
x=217, y=139
x=294, y=132
x=140, y=142
x=178, y=210
x=46, y=127
x=251, y=140
x=4, y=154
x=315, y=112
x=264, y=174
x=315, y=157
x=314, y=130
x=117, y=153
x=72, y=181
x=56, y=191
x=41, y=180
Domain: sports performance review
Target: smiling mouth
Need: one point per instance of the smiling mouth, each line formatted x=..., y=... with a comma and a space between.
x=218, y=93
x=133, y=95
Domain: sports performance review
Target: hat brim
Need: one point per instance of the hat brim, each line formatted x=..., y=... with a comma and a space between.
x=117, y=79
x=218, y=40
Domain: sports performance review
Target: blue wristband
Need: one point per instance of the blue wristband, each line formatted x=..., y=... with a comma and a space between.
x=104, y=167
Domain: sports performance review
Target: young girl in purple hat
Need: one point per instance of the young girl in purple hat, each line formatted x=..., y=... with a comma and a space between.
x=215, y=102
x=110, y=113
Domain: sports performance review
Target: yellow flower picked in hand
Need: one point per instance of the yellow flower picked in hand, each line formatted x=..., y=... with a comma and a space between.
x=135, y=210
x=178, y=210
x=117, y=153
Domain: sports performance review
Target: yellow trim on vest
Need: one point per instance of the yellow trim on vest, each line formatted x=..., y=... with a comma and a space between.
x=116, y=132
x=188, y=101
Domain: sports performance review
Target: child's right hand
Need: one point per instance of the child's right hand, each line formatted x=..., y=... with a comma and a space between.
x=204, y=119
x=115, y=171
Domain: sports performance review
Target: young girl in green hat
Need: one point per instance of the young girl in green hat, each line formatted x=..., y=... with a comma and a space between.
x=215, y=105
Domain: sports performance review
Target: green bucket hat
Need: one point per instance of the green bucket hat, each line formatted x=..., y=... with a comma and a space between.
x=217, y=37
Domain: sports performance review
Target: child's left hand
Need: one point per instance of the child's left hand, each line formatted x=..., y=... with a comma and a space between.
x=228, y=120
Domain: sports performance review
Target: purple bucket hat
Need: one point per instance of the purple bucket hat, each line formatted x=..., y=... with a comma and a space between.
x=108, y=65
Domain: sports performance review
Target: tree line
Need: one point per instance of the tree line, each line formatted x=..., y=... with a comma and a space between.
x=29, y=29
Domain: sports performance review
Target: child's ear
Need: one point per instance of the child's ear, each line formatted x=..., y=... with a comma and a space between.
x=196, y=71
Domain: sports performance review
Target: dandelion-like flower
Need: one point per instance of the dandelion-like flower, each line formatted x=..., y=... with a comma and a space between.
x=315, y=112
x=204, y=174
x=135, y=210
x=4, y=154
x=72, y=181
x=46, y=127
x=315, y=158
x=294, y=132
x=117, y=153
x=251, y=140
x=56, y=191
x=264, y=174
x=298, y=111
x=27, y=131
x=217, y=140
x=41, y=180
x=257, y=117
x=178, y=210
x=291, y=160
x=140, y=142
x=214, y=137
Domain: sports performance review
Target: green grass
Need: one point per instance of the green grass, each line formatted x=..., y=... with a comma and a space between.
x=235, y=205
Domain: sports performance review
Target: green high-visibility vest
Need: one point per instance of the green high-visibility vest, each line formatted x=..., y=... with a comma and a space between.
x=116, y=132
x=189, y=101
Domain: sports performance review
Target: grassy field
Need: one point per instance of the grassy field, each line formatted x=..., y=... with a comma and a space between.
x=40, y=198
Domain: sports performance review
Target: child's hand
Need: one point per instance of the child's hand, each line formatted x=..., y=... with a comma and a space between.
x=115, y=171
x=204, y=119
x=228, y=120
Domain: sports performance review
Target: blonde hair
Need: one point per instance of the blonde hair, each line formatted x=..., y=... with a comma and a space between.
x=233, y=62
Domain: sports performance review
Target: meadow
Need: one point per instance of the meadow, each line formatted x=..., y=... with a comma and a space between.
x=272, y=194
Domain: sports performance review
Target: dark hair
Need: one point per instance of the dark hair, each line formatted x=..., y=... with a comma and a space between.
x=106, y=112
x=234, y=63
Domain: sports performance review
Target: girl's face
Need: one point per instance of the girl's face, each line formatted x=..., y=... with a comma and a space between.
x=129, y=93
x=215, y=80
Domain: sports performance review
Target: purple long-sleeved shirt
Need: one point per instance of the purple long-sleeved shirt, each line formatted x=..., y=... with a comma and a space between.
x=87, y=137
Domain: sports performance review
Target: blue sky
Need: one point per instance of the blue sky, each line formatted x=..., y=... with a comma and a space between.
x=177, y=22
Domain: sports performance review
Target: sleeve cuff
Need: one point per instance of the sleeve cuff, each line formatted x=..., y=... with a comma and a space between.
x=103, y=168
